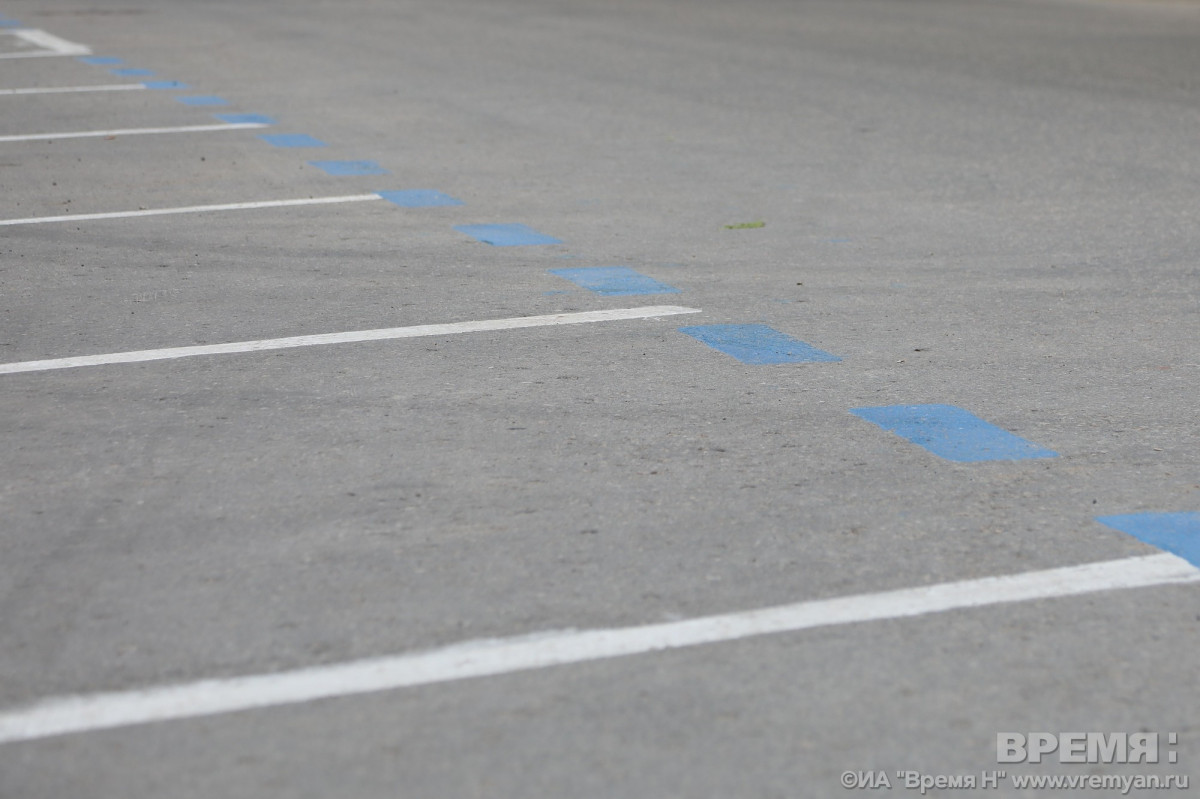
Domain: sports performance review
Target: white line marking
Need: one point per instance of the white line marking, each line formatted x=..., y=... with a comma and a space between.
x=110, y=87
x=381, y=334
x=88, y=713
x=89, y=134
x=51, y=45
x=192, y=209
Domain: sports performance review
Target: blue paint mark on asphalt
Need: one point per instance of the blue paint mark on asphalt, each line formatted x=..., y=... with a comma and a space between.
x=514, y=235
x=202, y=99
x=952, y=433
x=614, y=281
x=9, y=23
x=132, y=72
x=164, y=84
x=758, y=344
x=418, y=198
x=291, y=140
x=350, y=167
x=1177, y=533
x=240, y=119
x=100, y=60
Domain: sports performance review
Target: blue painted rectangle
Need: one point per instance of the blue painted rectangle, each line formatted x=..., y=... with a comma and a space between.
x=758, y=344
x=614, y=281
x=350, y=167
x=1177, y=533
x=514, y=235
x=203, y=99
x=164, y=84
x=100, y=60
x=241, y=119
x=9, y=23
x=952, y=433
x=418, y=198
x=132, y=72
x=291, y=140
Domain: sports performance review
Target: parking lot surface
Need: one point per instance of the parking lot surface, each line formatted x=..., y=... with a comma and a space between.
x=561, y=398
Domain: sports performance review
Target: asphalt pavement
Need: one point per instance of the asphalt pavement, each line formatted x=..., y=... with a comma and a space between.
x=757, y=399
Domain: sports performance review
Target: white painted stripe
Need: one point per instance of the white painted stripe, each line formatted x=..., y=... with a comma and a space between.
x=192, y=209
x=109, y=87
x=320, y=339
x=89, y=134
x=51, y=45
x=88, y=713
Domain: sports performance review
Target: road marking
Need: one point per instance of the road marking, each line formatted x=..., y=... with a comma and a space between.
x=202, y=100
x=51, y=45
x=112, y=87
x=1177, y=533
x=952, y=433
x=343, y=168
x=320, y=339
x=507, y=235
x=291, y=140
x=89, y=134
x=193, y=209
x=419, y=198
x=165, y=84
x=238, y=118
x=132, y=72
x=488, y=658
x=614, y=281
x=100, y=60
x=758, y=344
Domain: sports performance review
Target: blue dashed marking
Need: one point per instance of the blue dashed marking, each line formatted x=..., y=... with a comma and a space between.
x=164, y=84
x=241, y=119
x=350, y=167
x=100, y=60
x=202, y=99
x=514, y=235
x=418, y=198
x=952, y=433
x=758, y=344
x=614, y=281
x=132, y=72
x=9, y=23
x=1177, y=533
x=291, y=140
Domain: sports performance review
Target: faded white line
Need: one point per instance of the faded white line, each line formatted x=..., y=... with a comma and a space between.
x=109, y=87
x=99, y=134
x=381, y=334
x=89, y=713
x=51, y=45
x=192, y=209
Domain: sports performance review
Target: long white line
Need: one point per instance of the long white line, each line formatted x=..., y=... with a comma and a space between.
x=107, y=87
x=381, y=334
x=92, y=134
x=192, y=209
x=51, y=44
x=88, y=713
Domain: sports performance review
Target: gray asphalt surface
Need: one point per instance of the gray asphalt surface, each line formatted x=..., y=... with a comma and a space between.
x=985, y=203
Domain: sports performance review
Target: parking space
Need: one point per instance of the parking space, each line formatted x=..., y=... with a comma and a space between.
x=471, y=356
